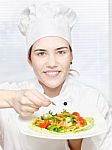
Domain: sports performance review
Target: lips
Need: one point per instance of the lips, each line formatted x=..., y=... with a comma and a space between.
x=52, y=73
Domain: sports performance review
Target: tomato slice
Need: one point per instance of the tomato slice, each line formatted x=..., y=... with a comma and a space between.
x=81, y=121
x=76, y=114
x=45, y=124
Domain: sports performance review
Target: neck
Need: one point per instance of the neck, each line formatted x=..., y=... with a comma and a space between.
x=52, y=92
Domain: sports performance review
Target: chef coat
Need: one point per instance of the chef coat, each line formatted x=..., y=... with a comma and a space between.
x=78, y=97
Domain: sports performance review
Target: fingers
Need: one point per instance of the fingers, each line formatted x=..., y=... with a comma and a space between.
x=25, y=114
x=25, y=108
x=37, y=99
x=26, y=111
x=29, y=102
x=26, y=101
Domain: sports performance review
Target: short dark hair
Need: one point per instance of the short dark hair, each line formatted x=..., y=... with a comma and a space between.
x=29, y=53
x=70, y=48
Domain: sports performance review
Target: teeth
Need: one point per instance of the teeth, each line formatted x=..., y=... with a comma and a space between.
x=52, y=73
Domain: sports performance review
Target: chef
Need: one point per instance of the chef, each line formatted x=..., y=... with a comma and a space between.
x=47, y=28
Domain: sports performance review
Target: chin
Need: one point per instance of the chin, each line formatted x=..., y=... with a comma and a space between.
x=52, y=84
x=53, y=87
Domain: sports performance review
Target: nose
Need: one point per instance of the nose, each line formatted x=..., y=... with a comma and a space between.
x=51, y=61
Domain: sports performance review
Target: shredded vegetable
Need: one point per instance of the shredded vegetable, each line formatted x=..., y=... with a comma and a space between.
x=63, y=122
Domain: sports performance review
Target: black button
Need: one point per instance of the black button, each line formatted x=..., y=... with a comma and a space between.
x=65, y=103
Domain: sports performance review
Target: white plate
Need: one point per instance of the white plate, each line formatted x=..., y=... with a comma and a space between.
x=98, y=128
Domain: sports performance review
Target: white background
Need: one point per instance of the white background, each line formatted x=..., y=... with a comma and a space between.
x=90, y=36
x=110, y=42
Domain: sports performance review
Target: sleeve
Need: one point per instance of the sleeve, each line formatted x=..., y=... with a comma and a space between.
x=5, y=86
x=8, y=86
x=66, y=145
x=106, y=139
x=1, y=148
x=0, y=133
x=17, y=85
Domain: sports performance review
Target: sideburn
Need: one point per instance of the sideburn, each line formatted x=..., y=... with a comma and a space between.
x=29, y=53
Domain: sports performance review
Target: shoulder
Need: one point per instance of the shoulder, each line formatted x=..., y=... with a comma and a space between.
x=76, y=84
x=84, y=88
x=18, y=85
x=92, y=96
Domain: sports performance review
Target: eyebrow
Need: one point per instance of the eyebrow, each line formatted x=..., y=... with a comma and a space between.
x=62, y=48
x=43, y=50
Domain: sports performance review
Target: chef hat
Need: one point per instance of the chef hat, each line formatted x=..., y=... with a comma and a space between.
x=46, y=19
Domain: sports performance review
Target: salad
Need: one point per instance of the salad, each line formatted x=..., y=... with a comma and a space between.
x=63, y=122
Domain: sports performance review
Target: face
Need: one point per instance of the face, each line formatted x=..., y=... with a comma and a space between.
x=50, y=59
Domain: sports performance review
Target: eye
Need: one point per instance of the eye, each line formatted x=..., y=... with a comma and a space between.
x=62, y=52
x=41, y=53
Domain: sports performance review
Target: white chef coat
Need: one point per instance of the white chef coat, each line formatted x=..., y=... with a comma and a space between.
x=78, y=96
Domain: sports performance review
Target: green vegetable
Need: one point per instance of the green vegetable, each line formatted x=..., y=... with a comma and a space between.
x=47, y=116
x=56, y=129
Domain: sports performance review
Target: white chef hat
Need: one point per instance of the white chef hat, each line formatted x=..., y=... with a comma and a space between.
x=46, y=19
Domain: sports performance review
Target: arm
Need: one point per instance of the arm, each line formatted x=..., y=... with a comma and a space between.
x=6, y=96
x=25, y=102
x=106, y=139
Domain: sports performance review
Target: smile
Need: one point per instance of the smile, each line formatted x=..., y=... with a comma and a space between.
x=52, y=73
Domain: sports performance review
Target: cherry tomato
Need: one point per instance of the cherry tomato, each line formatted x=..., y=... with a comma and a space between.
x=76, y=114
x=81, y=121
x=45, y=124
